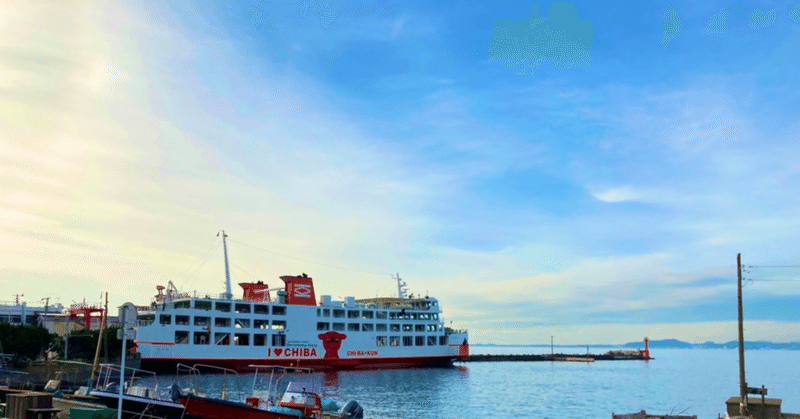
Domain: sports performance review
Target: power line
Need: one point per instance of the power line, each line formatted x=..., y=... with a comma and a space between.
x=243, y=271
x=213, y=247
x=205, y=259
x=773, y=266
x=773, y=280
x=309, y=261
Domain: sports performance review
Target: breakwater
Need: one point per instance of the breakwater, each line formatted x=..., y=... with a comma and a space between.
x=609, y=356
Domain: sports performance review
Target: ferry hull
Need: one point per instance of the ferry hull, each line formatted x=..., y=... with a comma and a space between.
x=243, y=365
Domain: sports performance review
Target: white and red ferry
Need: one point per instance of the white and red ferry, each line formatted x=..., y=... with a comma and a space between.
x=293, y=328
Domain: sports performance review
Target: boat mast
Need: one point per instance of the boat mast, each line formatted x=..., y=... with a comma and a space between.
x=401, y=288
x=228, y=294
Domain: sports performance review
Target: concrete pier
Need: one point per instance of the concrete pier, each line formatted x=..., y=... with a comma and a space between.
x=556, y=357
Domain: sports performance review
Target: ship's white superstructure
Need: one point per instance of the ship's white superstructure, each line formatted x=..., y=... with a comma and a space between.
x=293, y=328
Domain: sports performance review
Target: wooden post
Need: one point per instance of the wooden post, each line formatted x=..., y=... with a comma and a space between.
x=105, y=345
x=742, y=382
x=96, y=362
x=66, y=336
x=122, y=361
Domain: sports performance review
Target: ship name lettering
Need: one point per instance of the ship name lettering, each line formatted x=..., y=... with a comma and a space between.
x=299, y=352
x=362, y=353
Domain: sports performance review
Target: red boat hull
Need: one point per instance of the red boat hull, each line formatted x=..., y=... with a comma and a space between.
x=242, y=365
x=206, y=408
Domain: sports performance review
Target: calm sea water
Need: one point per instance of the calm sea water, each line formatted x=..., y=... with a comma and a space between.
x=696, y=381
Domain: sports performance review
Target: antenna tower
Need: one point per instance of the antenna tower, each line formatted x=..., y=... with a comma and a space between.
x=401, y=287
x=228, y=293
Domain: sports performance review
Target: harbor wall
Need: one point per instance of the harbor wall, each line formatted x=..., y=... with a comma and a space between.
x=556, y=357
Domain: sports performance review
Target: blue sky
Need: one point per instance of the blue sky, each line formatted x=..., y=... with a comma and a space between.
x=586, y=171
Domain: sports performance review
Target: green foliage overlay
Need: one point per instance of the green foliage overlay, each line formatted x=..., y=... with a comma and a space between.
x=24, y=342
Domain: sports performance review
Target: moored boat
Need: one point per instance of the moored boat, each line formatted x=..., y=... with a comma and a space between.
x=288, y=326
x=298, y=400
x=142, y=396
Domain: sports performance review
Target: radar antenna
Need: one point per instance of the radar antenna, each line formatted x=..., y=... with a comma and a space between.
x=401, y=287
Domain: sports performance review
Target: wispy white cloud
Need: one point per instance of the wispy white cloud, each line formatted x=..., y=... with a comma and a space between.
x=588, y=286
x=620, y=194
x=140, y=181
x=143, y=134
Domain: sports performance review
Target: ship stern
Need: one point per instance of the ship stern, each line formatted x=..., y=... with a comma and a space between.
x=458, y=341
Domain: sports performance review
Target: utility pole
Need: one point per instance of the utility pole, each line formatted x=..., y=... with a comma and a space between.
x=46, y=309
x=124, y=339
x=96, y=362
x=66, y=336
x=105, y=335
x=742, y=382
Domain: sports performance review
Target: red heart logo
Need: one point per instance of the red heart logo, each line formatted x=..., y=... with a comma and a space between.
x=278, y=351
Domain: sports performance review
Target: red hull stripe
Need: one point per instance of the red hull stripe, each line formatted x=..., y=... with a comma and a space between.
x=201, y=408
x=168, y=364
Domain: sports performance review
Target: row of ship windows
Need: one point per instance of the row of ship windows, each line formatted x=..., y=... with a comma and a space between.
x=244, y=339
x=411, y=340
x=280, y=310
x=380, y=327
x=166, y=319
x=371, y=314
x=227, y=307
x=182, y=337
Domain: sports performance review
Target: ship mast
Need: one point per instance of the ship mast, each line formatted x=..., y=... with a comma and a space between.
x=401, y=287
x=228, y=294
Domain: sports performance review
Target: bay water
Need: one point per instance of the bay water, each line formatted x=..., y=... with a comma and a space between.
x=687, y=381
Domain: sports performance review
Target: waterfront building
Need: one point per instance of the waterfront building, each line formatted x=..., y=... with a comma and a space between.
x=20, y=313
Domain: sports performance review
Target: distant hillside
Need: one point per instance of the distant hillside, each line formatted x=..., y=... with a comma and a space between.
x=663, y=343
x=679, y=344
